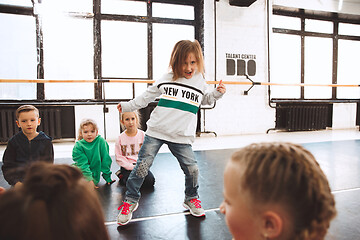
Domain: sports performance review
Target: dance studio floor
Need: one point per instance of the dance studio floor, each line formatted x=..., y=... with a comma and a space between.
x=161, y=216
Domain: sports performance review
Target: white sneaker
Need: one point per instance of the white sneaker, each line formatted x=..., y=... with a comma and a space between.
x=195, y=207
x=126, y=209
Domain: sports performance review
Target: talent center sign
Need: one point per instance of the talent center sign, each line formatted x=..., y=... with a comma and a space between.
x=240, y=64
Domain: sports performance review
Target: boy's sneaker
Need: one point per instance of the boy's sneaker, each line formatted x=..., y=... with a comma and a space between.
x=195, y=207
x=126, y=209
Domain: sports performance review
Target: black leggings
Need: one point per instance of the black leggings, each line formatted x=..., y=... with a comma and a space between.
x=149, y=180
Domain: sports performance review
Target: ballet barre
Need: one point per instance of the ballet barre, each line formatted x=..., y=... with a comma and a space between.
x=252, y=83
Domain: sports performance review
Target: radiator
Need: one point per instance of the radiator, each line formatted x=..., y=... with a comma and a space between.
x=303, y=117
x=50, y=123
x=8, y=125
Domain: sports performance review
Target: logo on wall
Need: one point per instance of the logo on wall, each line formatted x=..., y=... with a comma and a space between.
x=240, y=64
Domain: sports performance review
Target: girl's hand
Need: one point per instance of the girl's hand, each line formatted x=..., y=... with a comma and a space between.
x=221, y=87
x=119, y=107
x=18, y=184
x=109, y=183
x=93, y=184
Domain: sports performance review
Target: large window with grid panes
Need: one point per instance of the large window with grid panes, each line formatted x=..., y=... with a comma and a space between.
x=90, y=39
x=317, y=48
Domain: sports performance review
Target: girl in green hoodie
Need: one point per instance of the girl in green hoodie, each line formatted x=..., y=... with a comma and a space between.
x=91, y=153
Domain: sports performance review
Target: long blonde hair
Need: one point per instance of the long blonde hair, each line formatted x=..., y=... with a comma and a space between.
x=137, y=116
x=288, y=174
x=86, y=122
x=179, y=54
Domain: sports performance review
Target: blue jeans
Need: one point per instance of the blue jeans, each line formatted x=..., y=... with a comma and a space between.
x=147, y=153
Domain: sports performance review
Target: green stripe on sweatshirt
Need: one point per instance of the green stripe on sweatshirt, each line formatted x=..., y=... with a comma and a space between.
x=178, y=105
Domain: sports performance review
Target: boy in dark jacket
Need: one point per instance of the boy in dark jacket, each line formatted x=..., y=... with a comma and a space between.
x=27, y=146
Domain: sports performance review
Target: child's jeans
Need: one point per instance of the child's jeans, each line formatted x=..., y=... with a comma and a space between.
x=149, y=180
x=148, y=151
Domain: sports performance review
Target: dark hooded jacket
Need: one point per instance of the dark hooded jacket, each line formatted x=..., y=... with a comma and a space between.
x=20, y=152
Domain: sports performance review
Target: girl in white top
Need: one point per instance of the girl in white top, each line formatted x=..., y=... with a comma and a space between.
x=172, y=122
x=127, y=148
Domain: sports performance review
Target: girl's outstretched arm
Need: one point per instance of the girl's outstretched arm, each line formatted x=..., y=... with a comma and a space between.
x=216, y=93
x=221, y=87
x=151, y=93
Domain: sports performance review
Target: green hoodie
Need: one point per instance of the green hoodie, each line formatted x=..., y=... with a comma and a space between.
x=93, y=158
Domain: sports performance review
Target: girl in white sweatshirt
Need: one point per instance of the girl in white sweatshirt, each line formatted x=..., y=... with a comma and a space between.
x=172, y=122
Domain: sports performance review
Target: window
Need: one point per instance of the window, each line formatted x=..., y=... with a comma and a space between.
x=286, y=22
x=318, y=26
x=314, y=48
x=26, y=3
x=124, y=7
x=288, y=65
x=68, y=54
x=18, y=57
x=318, y=67
x=349, y=29
x=348, y=69
x=136, y=43
x=73, y=40
x=164, y=10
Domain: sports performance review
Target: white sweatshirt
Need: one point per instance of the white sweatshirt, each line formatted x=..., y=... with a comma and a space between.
x=174, y=119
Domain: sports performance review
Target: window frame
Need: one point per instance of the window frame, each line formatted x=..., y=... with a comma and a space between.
x=335, y=18
x=97, y=16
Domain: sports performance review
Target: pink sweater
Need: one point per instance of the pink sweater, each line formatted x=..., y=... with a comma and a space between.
x=127, y=149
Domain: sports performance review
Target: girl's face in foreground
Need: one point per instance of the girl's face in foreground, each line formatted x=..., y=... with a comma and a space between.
x=189, y=66
x=89, y=133
x=241, y=220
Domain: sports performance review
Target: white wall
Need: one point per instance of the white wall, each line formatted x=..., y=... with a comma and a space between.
x=240, y=30
x=344, y=115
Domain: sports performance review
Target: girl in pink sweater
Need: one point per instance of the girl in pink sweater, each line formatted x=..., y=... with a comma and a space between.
x=127, y=148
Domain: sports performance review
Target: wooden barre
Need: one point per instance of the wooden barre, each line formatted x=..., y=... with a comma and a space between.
x=73, y=81
x=152, y=81
x=283, y=84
